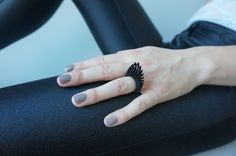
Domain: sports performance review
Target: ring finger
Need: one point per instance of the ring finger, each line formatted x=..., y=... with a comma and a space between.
x=111, y=89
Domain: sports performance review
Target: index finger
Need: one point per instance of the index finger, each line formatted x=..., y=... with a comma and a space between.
x=103, y=59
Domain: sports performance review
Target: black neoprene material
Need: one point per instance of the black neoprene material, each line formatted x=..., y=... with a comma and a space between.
x=19, y=18
x=125, y=22
x=38, y=118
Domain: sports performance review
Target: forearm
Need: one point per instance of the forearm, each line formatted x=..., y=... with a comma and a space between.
x=218, y=65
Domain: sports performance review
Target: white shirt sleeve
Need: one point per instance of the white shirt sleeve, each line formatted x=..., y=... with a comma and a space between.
x=221, y=12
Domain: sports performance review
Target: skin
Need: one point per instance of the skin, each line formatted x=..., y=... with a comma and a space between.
x=162, y=69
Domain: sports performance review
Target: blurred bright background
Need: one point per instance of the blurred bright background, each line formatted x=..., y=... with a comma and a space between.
x=65, y=39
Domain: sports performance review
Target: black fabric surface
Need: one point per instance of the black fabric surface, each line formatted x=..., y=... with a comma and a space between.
x=38, y=118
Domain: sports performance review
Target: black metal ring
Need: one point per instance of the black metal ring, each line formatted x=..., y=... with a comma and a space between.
x=135, y=71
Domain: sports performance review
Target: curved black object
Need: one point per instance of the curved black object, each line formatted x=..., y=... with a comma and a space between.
x=37, y=118
x=135, y=71
x=19, y=18
x=122, y=21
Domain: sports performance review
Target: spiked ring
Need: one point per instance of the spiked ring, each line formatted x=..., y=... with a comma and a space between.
x=135, y=71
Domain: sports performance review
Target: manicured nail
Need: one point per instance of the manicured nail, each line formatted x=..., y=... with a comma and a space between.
x=69, y=68
x=79, y=98
x=110, y=121
x=64, y=79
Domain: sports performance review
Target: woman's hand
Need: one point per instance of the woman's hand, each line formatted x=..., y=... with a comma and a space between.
x=168, y=74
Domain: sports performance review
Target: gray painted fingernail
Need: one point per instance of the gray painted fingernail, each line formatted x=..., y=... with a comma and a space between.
x=64, y=78
x=80, y=98
x=69, y=68
x=110, y=121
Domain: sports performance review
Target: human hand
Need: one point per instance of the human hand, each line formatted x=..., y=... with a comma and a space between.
x=168, y=74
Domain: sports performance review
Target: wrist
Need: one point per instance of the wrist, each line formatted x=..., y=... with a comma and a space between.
x=202, y=65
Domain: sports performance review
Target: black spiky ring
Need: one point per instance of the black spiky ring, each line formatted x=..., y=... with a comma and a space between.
x=135, y=71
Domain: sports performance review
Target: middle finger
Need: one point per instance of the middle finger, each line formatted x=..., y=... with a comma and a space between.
x=101, y=72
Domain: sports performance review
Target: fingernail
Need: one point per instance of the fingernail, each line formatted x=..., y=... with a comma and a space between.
x=69, y=68
x=64, y=79
x=79, y=98
x=110, y=121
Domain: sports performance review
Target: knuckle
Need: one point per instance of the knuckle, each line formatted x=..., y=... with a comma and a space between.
x=94, y=94
x=124, y=115
x=146, y=63
x=106, y=69
x=119, y=52
x=142, y=105
x=124, y=52
x=164, y=89
x=100, y=59
x=127, y=53
x=150, y=48
x=79, y=65
x=154, y=94
x=121, y=86
x=137, y=51
x=80, y=76
x=160, y=92
x=151, y=52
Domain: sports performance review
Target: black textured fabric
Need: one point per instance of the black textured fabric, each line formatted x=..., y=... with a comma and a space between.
x=38, y=118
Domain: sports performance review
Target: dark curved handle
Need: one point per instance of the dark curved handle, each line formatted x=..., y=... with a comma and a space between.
x=19, y=18
x=118, y=24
